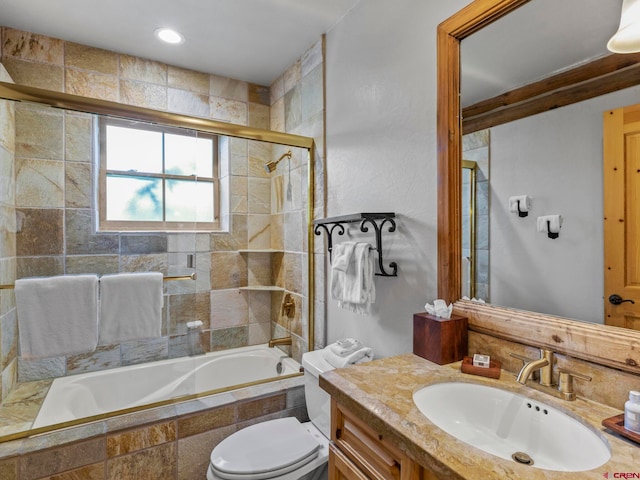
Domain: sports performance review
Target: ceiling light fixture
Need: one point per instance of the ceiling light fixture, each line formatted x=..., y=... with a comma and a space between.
x=169, y=35
x=627, y=38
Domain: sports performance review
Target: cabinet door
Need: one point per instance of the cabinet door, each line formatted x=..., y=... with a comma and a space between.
x=373, y=455
x=341, y=468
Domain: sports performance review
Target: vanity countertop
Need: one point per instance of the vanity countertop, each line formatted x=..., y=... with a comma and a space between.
x=381, y=393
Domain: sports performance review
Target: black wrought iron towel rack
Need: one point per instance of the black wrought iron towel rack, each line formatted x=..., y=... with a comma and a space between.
x=377, y=220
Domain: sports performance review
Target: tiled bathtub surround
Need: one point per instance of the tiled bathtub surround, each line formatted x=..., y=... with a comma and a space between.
x=54, y=173
x=172, y=442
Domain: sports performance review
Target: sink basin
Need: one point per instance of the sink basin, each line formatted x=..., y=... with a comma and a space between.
x=512, y=426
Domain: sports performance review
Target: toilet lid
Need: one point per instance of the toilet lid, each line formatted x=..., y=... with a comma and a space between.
x=267, y=447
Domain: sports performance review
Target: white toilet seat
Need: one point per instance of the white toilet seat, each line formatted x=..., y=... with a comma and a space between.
x=281, y=449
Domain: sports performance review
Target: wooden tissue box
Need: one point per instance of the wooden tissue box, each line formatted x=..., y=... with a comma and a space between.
x=440, y=340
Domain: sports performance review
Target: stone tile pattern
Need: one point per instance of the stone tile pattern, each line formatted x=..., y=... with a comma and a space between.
x=173, y=448
x=8, y=318
x=53, y=173
x=475, y=147
x=297, y=106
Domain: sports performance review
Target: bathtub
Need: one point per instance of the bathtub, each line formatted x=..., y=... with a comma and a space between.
x=120, y=389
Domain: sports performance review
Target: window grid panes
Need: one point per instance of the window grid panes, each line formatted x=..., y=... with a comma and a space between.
x=156, y=178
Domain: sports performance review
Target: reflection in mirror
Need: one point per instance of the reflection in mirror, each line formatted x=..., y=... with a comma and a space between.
x=475, y=215
x=229, y=255
x=555, y=157
x=601, y=344
x=468, y=228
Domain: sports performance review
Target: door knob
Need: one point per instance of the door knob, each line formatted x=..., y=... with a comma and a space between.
x=617, y=299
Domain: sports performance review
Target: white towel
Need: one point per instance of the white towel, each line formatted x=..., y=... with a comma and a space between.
x=130, y=306
x=57, y=315
x=345, y=346
x=342, y=255
x=358, y=288
x=364, y=354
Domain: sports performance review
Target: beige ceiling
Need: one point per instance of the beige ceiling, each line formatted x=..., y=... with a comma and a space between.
x=250, y=40
x=257, y=40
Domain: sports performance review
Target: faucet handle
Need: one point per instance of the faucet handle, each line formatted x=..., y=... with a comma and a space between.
x=565, y=384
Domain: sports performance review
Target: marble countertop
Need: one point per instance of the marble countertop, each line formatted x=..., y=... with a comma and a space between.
x=380, y=392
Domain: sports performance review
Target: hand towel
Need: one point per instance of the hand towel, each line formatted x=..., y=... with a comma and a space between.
x=364, y=354
x=57, y=315
x=345, y=346
x=358, y=284
x=341, y=257
x=130, y=306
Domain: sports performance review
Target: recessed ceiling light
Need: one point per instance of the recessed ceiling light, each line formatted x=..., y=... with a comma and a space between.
x=168, y=35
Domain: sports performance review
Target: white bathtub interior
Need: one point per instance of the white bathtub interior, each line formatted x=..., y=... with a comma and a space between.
x=94, y=394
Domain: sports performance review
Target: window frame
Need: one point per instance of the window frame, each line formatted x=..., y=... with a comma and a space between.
x=104, y=225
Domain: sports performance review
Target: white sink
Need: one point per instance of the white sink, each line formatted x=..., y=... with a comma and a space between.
x=512, y=426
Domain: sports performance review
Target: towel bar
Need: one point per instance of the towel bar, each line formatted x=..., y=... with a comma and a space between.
x=333, y=223
x=165, y=279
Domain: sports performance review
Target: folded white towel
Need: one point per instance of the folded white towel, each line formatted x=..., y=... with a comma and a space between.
x=364, y=354
x=130, y=306
x=57, y=315
x=345, y=346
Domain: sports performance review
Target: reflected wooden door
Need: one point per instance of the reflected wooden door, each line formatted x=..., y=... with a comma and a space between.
x=622, y=217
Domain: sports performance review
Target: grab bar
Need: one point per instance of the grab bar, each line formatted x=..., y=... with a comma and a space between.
x=192, y=276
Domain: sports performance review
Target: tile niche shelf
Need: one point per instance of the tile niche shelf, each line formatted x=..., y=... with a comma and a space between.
x=260, y=288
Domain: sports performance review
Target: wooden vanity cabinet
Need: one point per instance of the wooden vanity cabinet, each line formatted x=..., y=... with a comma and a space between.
x=358, y=452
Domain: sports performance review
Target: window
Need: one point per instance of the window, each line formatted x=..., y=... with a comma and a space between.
x=154, y=177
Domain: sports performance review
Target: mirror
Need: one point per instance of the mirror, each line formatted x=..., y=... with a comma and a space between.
x=538, y=155
x=243, y=275
x=602, y=344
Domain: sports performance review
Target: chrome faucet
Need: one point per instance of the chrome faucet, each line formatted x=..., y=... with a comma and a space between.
x=544, y=364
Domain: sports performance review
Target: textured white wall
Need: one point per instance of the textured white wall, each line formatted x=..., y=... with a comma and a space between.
x=555, y=157
x=381, y=153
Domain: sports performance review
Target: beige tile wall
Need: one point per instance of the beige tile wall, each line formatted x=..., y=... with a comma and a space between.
x=297, y=106
x=53, y=194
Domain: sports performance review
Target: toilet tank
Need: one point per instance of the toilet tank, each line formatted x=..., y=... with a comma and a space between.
x=318, y=401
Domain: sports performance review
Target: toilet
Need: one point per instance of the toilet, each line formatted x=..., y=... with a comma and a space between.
x=281, y=449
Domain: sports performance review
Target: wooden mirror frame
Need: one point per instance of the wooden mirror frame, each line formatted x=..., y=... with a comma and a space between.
x=605, y=345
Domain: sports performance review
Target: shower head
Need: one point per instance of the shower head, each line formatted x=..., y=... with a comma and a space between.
x=270, y=166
